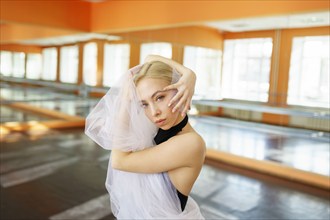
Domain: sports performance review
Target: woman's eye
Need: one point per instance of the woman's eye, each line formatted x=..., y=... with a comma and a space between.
x=144, y=105
x=159, y=98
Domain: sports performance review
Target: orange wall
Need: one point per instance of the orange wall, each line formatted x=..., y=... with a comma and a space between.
x=21, y=48
x=11, y=33
x=122, y=16
x=74, y=15
x=134, y=53
x=249, y=34
x=119, y=16
x=192, y=35
x=179, y=37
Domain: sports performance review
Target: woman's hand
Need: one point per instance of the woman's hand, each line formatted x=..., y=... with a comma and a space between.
x=185, y=85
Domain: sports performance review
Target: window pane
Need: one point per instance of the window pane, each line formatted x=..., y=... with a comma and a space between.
x=116, y=62
x=246, y=69
x=6, y=63
x=33, y=66
x=90, y=64
x=309, y=72
x=69, y=64
x=162, y=49
x=19, y=65
x=49, y=67
x=206, y=64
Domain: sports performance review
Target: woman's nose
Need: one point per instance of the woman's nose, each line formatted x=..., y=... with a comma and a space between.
x=155, y=110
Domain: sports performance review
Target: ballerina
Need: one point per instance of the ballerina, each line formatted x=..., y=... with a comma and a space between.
x=156, y=154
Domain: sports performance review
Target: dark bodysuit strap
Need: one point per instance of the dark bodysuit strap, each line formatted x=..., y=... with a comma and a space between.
x=164, y=135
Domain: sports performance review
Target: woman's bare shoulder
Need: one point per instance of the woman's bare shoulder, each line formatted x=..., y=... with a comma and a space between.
x=192, y=136
x=191, y=142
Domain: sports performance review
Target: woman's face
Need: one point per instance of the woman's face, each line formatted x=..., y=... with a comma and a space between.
x=155, y=102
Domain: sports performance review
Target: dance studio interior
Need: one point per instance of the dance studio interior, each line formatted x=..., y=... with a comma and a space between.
x=261, y=101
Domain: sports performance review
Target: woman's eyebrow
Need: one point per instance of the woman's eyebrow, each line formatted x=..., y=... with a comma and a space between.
x=155, y=93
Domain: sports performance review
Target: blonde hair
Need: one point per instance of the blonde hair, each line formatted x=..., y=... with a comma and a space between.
x=155, y=70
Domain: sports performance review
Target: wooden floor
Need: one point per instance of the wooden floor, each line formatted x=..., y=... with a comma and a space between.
x=61, y=175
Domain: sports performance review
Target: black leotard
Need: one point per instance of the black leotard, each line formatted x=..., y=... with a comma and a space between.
x=164, y=135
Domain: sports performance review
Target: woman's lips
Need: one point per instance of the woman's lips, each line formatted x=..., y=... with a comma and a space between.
x=160, y=122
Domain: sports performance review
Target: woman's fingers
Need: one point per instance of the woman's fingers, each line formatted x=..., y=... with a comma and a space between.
x=180, y=103
x=175, y=98
x=183, y=96
x=173, y=86
x=187, y=105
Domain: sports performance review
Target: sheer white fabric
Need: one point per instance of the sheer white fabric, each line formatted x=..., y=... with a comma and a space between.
x=118, y=122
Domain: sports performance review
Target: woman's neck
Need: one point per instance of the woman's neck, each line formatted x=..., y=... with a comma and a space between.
x=164, y=135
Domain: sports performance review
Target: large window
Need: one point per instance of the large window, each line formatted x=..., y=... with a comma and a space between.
x=6, y=63
x=90, y=64
x=116, y=62
x=246, y=69
x=69, y=64
x=19, y=64
x=162, y=49
x=49, y=66
x=206, y=64
x=309, y=72
x=33, y=66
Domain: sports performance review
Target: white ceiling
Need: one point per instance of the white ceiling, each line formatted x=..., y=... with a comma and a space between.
x=273, y=22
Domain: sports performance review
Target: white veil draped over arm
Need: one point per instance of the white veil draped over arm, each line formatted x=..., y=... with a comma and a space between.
x=118, y=122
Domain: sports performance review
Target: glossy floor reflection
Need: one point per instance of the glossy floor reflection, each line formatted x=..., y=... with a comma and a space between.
x=22, y=94
x=8, y=114
x=61, y=176
x=297, y=148
x=48, y=99
x=225, y=195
